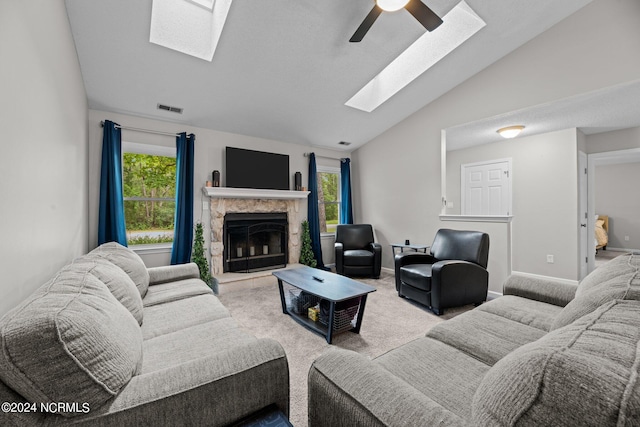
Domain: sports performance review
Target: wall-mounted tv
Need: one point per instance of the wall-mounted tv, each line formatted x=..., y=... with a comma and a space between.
x=256, y=169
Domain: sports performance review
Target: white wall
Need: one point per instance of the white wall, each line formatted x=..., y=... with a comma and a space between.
x=398, y=173
x=43, y=167
x=611, y=193
x=544, y=181
x=209, y=156
x=617, y=140
x=617, y=195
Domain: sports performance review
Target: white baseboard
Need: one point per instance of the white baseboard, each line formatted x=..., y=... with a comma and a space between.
x=493, y=295
x=389, y=270
x=550, y=278
x=609, y=248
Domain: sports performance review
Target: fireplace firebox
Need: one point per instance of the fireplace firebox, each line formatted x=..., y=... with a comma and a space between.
x=255, y=241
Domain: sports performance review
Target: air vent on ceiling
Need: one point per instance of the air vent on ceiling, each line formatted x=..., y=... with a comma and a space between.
x=170, y=108
x=344, y=143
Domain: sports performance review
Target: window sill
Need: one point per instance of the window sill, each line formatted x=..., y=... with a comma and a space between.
x=161, y=248
x=477, y=218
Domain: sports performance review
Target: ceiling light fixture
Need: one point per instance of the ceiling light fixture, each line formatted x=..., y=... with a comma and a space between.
x=391, y=5
x=459, y=25
x=510, y=131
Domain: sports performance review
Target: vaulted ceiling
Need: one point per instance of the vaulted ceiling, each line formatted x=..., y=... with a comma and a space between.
x=283, y=69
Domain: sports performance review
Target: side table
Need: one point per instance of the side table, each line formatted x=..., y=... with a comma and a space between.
x=402, y=246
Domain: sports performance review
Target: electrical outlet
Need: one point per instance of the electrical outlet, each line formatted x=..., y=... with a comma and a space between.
x=449, y=205
x=626, y=238
x=205, y=206
x=550, y=259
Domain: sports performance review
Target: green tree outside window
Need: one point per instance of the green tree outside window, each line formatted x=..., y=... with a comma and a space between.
x=328, y=200
x=149, y=185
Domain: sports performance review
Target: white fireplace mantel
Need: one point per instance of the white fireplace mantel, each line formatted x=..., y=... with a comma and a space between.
x=252, y=193
x=238, y=200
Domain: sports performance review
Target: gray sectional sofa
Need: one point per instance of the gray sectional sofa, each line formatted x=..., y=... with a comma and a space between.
x=544, y=354
x=108, y=342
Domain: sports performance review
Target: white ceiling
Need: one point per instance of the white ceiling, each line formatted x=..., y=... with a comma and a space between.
x=612, y=108
x=283, y=69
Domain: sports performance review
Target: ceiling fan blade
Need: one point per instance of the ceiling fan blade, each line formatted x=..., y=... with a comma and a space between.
x=366, y=24
x=423, y=14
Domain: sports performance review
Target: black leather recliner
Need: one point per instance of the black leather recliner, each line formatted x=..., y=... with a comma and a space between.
x=356, y=252
x=454, y=274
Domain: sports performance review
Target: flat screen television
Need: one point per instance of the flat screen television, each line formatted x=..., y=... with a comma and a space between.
x=256, y=169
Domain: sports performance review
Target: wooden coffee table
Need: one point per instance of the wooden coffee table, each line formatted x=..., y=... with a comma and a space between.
x=327, y=286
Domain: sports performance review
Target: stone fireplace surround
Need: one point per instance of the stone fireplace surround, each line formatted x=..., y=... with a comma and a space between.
x=247, y=200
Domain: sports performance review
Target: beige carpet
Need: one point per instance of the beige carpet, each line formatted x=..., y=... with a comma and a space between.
x=604, y=255
x=389, y=321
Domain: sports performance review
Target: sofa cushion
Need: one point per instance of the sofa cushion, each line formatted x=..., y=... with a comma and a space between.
x=483, y=335
x=161, y=319
x=586, y=373
x=182, y=346
x=358, y=257
x=70, y=341
x=617, y=279
x=348, y=389
x=173, y=291
x=127, y=260
x=439, y=371
x=537, y=314
x=417, y=275
x=118, y=282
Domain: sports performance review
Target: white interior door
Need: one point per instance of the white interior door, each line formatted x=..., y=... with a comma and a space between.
x=486, y=188
x=585, y=242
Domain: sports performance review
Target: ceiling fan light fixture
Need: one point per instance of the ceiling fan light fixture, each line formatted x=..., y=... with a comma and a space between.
x=510, y=131
x=391, y=5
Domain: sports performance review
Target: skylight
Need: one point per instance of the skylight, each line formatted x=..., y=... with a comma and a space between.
x=189, y=26
x=459, y=25
x=207, y=4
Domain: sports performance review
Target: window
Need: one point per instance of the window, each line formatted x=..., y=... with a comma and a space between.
x=149, y=186
x=328, y=198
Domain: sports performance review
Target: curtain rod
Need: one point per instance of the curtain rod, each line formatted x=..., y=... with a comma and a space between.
x=157, y=132
x=325, y=157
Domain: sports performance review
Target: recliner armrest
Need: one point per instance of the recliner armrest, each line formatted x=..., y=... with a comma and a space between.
x=339, y=252
x=453, y=281
x=457, y=271
x=406, y=258
x=376, y=248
